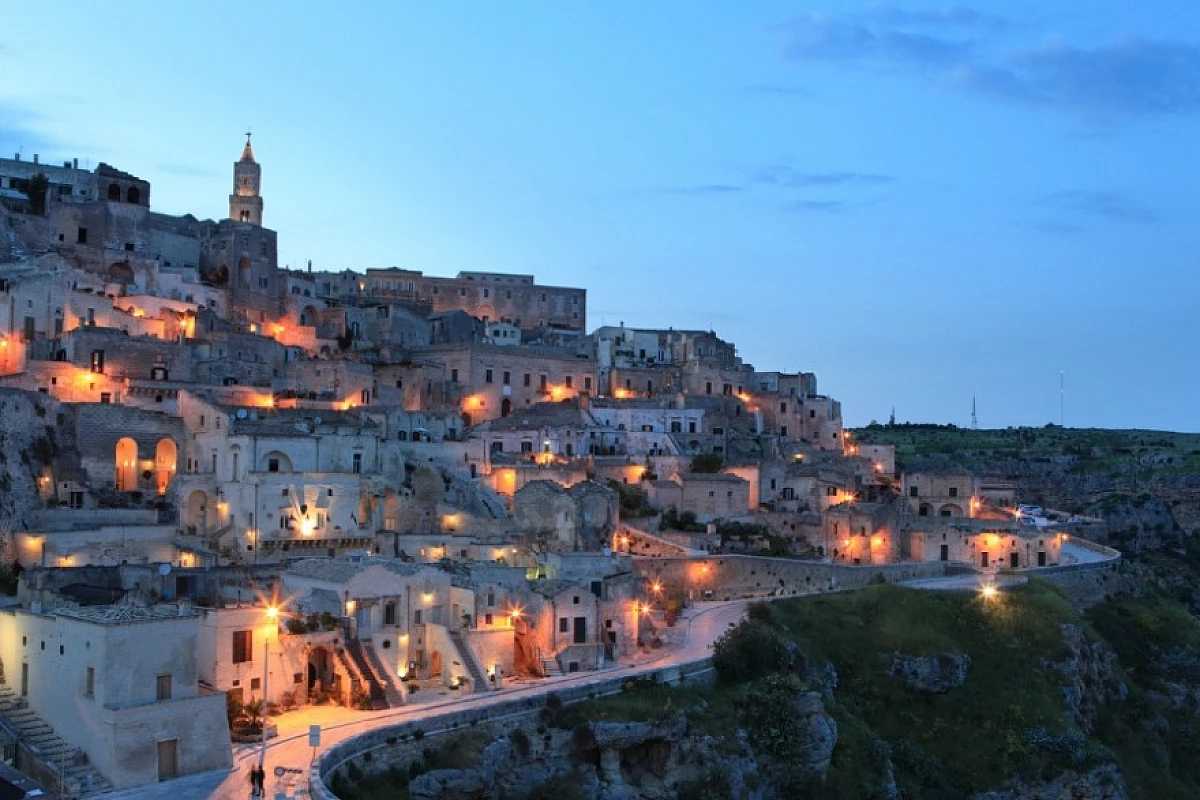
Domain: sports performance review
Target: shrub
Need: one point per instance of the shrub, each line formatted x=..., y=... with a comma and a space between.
x=520, y=740
x=753, y=649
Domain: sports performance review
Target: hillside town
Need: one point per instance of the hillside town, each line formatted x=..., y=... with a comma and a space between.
x=234, y=488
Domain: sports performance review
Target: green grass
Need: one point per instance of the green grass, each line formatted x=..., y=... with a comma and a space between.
x=1098, y=451
x=989, y=716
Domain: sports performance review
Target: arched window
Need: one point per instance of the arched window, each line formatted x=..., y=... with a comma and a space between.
x=114, y=192
x=126, y=465
x=164, y=464
x=134, y=195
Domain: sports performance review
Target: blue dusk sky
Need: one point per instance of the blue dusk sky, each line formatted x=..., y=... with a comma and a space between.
x=917, y=202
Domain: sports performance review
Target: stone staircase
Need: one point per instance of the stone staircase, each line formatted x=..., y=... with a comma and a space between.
x=550, y=667
x=354, y=650
x=78, y=777
x=479, y=680
x=395, y=694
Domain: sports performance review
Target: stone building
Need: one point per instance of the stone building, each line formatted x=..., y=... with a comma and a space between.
x=487, y=296
x=984, y=544
x=121, y=683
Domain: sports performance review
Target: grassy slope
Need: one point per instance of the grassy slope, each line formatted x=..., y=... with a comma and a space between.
x=976, y=736
x=1112, y=448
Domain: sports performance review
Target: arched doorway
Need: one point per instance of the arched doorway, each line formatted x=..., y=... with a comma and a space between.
x=126, y=465
x=134, y=195
x=466, y=419
x=320, y=672
x=164, y=464
x=114, y=192
x=435, y=664
x=924, y=510
x=951, y=510
x=505, y=407
x=196, y=513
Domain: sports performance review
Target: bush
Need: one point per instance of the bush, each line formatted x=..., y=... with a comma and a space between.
x=520, y=740
x=752, y=649
x=707, y=462
x=295, y=626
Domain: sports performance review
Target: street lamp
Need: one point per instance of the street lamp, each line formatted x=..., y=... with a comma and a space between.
x=272, y=616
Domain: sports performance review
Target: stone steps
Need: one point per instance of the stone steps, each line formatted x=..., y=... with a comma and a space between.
x=77, y=776
x=551, y=669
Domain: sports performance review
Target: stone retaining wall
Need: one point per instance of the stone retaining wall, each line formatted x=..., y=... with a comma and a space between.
x=395, y=745
x=733, y=577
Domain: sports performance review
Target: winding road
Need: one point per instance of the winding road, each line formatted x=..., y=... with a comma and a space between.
x=290, y=749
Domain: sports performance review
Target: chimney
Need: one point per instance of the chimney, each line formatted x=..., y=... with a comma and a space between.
x=74, y=163
x=16, y=156
x=35, y=158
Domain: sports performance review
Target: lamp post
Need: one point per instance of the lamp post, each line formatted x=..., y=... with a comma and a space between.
x=272, y=616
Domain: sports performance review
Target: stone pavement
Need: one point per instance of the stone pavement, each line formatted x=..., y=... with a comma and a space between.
x=290, y=749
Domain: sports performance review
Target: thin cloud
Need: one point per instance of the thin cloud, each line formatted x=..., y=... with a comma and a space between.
x=787, y=177
x=960, y=48
x=1102, y=205
x=818, y=206
x=706, y=189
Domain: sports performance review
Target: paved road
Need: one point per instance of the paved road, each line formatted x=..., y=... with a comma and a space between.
x=1073, y=553
x=705, y=622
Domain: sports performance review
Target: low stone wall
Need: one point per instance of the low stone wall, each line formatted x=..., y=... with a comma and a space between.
x=396, y=745
x=734, y=577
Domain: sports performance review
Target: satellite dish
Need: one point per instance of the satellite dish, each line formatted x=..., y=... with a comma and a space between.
x=608, y=551
x=241, y=413
x=164, y=569
x=316, y=420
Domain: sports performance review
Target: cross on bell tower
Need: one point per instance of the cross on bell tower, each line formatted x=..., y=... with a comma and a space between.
x=246, y=204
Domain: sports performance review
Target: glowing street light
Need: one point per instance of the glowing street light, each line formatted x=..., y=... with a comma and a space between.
x=989, y=592
x=272, y=615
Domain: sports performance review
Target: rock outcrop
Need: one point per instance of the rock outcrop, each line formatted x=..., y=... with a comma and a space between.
x=937, y=674
x=817, y=733
x=1089, y=675
x=1101, y=783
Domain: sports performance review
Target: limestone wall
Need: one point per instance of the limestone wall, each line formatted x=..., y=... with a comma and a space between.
x=395, y=746
x=733, y=577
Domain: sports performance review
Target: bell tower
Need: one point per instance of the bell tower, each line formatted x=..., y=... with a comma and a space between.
x=246, y=204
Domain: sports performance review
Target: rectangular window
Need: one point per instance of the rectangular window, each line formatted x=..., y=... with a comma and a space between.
x=568, y=381
x=913, y=491
x=564, y=625
x=272, y=465
x=163, y=687
x=106, y=397
x=454, y=376
x=587, y=384
x=487, y=619
x=708, y=388
x=242, y=651
x=357, y=467
x=491, y=599
x=542, y=380
x=528, y=379
x=89, y=687
x=507, y=377
x=81, y=237
x=487, y=376
x=954, y=491
x=97, y=362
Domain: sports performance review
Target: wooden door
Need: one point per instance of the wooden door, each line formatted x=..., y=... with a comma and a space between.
x=168, y=764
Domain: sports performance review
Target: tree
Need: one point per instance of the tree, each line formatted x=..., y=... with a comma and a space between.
x=36, y=189
x=707, y=462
